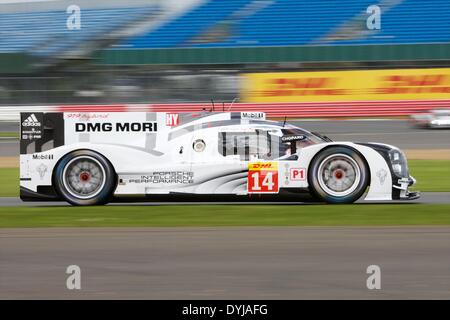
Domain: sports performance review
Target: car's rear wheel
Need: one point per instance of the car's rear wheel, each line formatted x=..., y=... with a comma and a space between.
x=338, y=175
x=85, y=177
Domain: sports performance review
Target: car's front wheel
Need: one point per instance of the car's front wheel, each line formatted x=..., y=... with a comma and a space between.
x=84, y=177
x=338, y=175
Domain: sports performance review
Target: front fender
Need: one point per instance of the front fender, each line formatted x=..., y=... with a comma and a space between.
x=380, y=187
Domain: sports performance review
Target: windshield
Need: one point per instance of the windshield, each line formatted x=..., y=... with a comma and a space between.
x=310, y=137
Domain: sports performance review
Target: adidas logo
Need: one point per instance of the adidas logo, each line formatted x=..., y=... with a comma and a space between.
x=31, y=121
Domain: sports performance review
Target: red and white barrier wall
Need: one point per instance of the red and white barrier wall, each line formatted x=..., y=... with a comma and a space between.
x=273, y=110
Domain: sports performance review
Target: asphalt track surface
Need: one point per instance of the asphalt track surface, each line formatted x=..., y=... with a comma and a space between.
x=226, y=263
x=396, y=132
x=426, y=198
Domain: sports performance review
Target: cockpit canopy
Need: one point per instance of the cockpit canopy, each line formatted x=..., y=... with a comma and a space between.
x=265, y=143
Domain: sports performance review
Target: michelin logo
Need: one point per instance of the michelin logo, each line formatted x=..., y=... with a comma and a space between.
x=31, y=121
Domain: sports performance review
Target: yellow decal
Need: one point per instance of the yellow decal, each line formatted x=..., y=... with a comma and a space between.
x=360, y=85
x=259, y=166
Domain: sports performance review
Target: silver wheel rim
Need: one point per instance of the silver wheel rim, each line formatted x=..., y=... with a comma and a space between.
x=84, y=177
x=339, y=175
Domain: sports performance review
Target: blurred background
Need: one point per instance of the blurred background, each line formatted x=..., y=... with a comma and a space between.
x=393, y=53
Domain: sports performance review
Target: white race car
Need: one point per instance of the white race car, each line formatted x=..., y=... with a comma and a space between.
x=93, y=158
x=434, y=119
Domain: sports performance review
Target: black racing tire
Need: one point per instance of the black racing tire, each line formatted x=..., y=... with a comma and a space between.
x=84, y=178
x=337, y=168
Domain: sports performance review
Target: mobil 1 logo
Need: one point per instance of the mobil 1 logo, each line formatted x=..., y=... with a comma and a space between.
x=31, y=125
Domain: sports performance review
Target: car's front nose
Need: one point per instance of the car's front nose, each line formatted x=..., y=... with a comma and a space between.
x=402, y=186
x=398, y=165
x=401, y=180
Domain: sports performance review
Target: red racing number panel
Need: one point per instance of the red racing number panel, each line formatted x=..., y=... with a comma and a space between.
x=262, y=177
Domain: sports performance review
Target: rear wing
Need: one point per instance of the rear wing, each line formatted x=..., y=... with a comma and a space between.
x=42, y=131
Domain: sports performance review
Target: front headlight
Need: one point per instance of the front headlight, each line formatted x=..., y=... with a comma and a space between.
x=399, y=163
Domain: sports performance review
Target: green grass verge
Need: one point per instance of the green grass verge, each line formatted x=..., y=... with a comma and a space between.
x=431, y=175
x=226, y=215
x=9, y=135
x=9, y=186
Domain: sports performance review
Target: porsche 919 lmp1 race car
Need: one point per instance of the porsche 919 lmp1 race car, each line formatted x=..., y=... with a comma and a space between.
x=88, y=158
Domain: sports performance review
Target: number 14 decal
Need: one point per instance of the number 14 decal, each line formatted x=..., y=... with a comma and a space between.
x=262, y=177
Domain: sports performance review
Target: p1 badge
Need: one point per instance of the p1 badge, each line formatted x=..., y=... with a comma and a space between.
x=262, y=177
